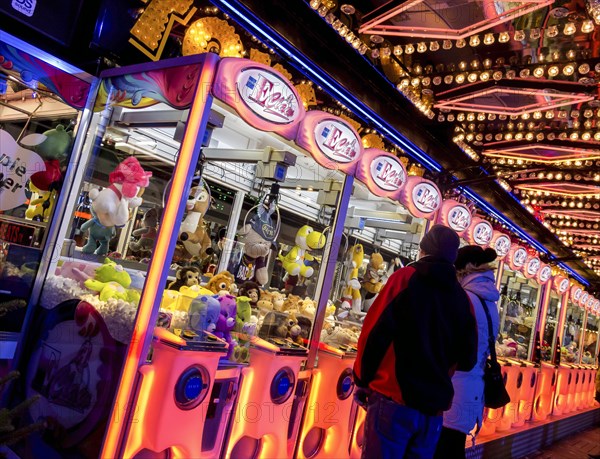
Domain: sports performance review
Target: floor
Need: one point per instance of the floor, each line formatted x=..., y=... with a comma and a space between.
x=576, y=446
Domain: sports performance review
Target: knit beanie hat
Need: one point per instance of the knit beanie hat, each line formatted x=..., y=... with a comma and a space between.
x=441, y=242
x=475, y=255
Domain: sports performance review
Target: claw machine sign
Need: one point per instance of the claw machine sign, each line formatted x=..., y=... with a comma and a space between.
x=422, y=197
x=455, y=215
x=576, y=292
x=480, y=232
x=561, y=284
x=262, y=96
x=532, y=266
x=501, y=244
x=331, y=141
x=382, y=172
x=544, y=274
x=517, y=257
x=584, y=299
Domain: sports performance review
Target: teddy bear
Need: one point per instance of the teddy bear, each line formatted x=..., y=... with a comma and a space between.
x=226, y=321
x=295, y=261
x=265, y=301
x=351, y=298
x=185, y=276
x=221, y=283
x=99, y=236
x=308, y=308
x=291, y=304
x=294, y=330
x=112, y=204
x=147, y=234
x=204, y=313
x=112, y=281
x=251, y=290
x=278, y=299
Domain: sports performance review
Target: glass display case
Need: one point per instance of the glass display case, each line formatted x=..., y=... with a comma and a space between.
x=589, y=354
x=550, y=328
x=572, y=333
x=519, y=304
x=41, y=114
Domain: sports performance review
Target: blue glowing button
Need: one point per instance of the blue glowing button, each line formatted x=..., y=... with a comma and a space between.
x=345, y=384
x=283, y=386
x=193, y=387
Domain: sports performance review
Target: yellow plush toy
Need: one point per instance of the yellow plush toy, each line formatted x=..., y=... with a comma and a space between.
x=351, y=298
x=112, y=281
x=306, y=239
x=41, y=204
x=372, y=282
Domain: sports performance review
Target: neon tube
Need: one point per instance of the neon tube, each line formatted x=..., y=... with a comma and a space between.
x=247, y=19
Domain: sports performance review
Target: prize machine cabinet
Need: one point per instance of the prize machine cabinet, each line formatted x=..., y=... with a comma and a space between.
x=134, y=192
x=546, y=383
x=568, y=370
x=377, y=230
x=520, y=296
x=590, y=353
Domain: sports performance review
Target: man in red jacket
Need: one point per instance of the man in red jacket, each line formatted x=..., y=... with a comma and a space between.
x=420, y=329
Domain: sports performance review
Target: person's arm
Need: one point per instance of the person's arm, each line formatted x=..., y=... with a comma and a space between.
x=378, y=329
x=468, y=339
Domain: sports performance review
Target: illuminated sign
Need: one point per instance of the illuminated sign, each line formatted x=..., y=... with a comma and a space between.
x=480, y=232
x=501, y=244
x=544, y=274
x=455, y=215
x=532, y=266
x=382, y=172
x=517, y=257
x=337, y=141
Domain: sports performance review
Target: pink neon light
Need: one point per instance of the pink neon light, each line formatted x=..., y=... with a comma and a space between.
x=375, y=25
x=558, y=99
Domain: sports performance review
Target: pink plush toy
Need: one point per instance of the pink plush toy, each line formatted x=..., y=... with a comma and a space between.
x=77, y=271
x=112, y=204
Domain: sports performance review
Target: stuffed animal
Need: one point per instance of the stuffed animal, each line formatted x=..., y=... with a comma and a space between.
x=185, y=276
x=351, y=298
x=372, y=280
x=226, y=321
x=257, y=236
x=251, y=290
x=56, y=144
x=243, y=316
x=294, y=262
x=77, y=271
x=278, y=299
x=112, y=281
x=265, y=301
x=221, y=283
x=308, y=308
x=193, y=232
x=112, y=204
x=41, y=203
x=188, y=294
x=294, y=330
x=291, y=304
x=147, y=234
x=99, y=236
x=204, y=313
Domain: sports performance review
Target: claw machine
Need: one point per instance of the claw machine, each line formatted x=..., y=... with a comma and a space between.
x=44, y=111
x=105, y=338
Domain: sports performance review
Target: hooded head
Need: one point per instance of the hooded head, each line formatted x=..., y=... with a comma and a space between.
x=474, y=255
x=441, y=242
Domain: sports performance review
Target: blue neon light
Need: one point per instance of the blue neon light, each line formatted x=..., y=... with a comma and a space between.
x=256, y=26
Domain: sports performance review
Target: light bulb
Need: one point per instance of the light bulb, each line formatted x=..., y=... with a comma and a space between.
x=474, y=40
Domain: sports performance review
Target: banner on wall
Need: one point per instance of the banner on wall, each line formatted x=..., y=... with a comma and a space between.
x=382, y=172
x=501, y=244
x=421, y=197
x=455, y=215
x=331, y=141
x=480, y=232
x=517, y=256
x=263, y=97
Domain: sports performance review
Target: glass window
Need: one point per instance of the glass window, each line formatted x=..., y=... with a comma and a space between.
x=571, y=339
x=552, y=316
x=380, y=236
x=40, y=111
x=590, y=340
x=518, y=312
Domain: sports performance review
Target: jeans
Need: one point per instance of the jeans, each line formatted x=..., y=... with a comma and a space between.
x=451, y=444
x=394, y=431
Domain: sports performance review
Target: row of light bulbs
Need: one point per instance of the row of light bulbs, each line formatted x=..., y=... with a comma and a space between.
x=530, y=136
x=587, y=113
x=563, y=203
x=557, y=176
x=579, y=205
x=466, y=75
x=522, y=162
x=570, y=28
x=574, y=224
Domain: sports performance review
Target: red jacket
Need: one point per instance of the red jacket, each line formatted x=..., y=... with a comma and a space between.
x=420, y=329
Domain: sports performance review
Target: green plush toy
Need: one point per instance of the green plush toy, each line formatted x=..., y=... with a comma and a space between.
x=56, y=145
x=243, y=314
x=112, y=281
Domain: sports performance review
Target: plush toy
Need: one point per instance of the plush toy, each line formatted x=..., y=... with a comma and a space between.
x=294, y=330
x=188, y=294
x=204, y=313
x=56, y=144
x=340, y=336
x=257, y=236
x=294, y=262
x=99, y=236
x=112, y=204
x=265, y=301
x=251, y=290
x=147, y=234
x=112, y=281
x=351, y=298
x=292, y=304
x=308, y=308
x=226, y=321
x=221, y=283
x=77, y=271
x=243, y=322
x=41, y=203
x=185, y=276
x=193, y=232
x=372, y=281
x=278, y=299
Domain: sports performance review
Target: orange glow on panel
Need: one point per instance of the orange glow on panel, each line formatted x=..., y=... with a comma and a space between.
x=152, y=285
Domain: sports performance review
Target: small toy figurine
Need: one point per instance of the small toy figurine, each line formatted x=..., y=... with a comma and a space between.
x=186, y=276
x=147, y=234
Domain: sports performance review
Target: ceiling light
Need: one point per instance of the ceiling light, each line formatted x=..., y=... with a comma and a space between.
x=569, y=29
x=538, y=72
x=552, y=31
x=568, y=70
x=504, y=37
x=410, y=48
x=489, y=38
x=474, y=40
x=461, y=43
x=587, y=26
x=519, y=35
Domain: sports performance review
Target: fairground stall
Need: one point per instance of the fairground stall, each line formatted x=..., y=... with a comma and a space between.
x=219, y=248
